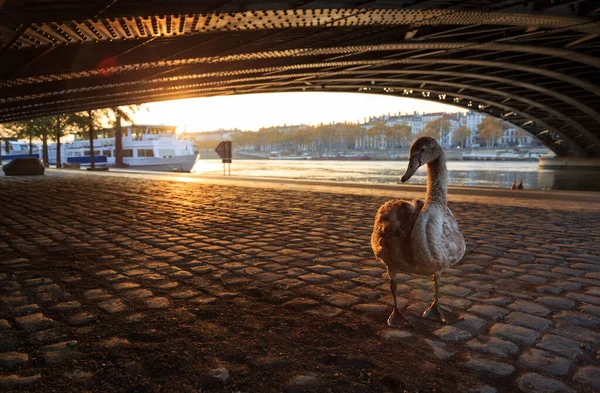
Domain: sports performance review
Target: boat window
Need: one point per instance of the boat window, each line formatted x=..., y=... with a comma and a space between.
x=108, y=133
x=77, y=154
x=127, y=152
x=137, y=134
x=87, y=153
x=70, y=154
x=145, y=153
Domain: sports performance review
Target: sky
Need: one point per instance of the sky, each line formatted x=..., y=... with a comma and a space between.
x=253, y=111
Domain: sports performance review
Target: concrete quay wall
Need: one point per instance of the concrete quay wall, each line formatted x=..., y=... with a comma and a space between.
x=570, y=163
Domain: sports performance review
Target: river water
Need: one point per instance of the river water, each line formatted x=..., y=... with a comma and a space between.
x=498, y=174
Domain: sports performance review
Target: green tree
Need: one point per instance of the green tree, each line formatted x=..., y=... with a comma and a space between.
x=48, y=127
x=45, y=125
x=29, y=129
x=59, y=125
x=87, y=123
x=119, y=114
x=490, y=129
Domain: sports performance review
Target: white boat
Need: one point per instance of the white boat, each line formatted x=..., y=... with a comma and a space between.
x=148, y=147
x=12, y=149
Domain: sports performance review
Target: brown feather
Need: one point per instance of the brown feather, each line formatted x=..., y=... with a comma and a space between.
x=391, y=234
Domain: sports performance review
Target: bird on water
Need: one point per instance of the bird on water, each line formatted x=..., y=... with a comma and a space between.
x=520, y=186
x=514, y=185
x=419, y=237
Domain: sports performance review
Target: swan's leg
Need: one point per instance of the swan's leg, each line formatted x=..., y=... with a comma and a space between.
x=434, y=312
x=397, y=318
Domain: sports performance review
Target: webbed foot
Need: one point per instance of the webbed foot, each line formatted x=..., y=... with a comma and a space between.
x=434, y=313
x=398, y=319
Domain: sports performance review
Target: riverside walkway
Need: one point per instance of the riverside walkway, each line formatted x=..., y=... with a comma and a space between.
x=169, y=282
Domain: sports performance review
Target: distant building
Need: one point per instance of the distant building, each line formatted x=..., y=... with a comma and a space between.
x=368, y=139
x=473, y=120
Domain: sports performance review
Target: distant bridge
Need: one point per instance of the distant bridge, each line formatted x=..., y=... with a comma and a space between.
x=535, y=64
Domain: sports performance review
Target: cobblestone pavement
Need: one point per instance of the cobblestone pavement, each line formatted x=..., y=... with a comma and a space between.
x=528, y=288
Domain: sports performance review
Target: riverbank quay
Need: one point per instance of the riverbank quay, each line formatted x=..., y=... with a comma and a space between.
x=123, y=281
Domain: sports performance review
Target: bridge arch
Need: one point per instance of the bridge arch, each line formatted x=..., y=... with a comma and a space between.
x=538, y=65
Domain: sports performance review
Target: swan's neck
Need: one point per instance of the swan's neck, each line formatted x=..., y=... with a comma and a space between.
x=437, y=181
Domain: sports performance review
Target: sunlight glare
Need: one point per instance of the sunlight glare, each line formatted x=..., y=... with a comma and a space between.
x=202, y=166
x=253, y=111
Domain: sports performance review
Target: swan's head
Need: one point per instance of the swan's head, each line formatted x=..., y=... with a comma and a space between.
x=422, y=151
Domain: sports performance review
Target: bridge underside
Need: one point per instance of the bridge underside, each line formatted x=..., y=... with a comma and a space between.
x=533, y=64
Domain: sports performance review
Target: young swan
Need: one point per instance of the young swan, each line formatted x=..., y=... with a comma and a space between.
x=419, y=237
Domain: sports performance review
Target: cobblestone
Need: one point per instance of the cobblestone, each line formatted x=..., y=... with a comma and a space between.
x=158, y=302
x=81, y=319
x=10, y=359
x=452, y=333
x=137, y=294
x=16, y=380
x=578, y=318
x=393, y=335
x=555, y=302
x=488, y=366
x=528, y=297
x=516, y=334
x=488, y=311
x=57, y=353
x=112, y=306
x=33, y=322
x=126, y=285
x=545, y=361
x=583, y=298
x=341, y=299
x=561, y=345
x=66, y=306
x=528, y=321
x=529, y=308
x=47, y=336
x=576, y=332
x=440, y=350
x=592, y=310
x=28, y=309
x=536, y=383
x=493, y=345
x=589, y=377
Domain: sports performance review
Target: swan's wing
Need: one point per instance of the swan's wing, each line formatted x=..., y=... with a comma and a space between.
x=391, y=231
x=453, y=242
x=436, y=239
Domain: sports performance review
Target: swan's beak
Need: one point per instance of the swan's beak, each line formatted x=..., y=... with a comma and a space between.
x=413, y=164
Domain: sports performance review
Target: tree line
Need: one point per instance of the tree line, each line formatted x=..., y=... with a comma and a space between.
x=321, y=138
x=84, y=124
x=348, y=136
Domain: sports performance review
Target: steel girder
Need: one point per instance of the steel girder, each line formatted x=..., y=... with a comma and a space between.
x=536, y=68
